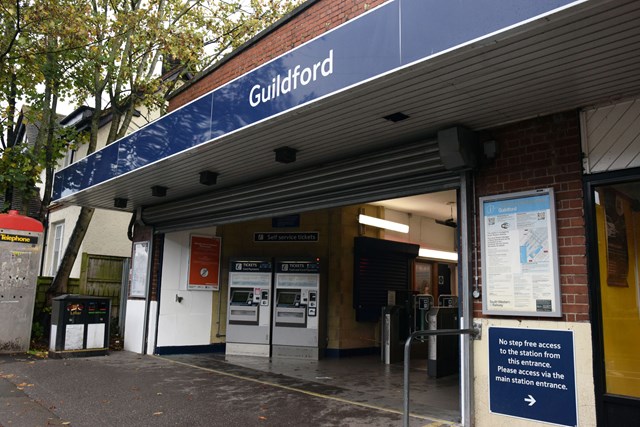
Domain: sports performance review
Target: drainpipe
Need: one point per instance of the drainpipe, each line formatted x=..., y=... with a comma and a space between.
x=147, y=300
x=466, y=343
x=159, y=294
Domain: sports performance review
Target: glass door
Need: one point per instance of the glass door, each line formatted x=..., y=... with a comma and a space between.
x=617, y=300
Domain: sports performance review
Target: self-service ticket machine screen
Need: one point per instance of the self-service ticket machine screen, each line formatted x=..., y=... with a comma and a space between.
x=289, y=312
x=297, y=308
x=249, y=309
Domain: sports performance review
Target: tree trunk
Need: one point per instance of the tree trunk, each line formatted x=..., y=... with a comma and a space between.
x=60, y=281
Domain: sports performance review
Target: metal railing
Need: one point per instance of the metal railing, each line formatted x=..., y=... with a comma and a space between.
x=407, y=359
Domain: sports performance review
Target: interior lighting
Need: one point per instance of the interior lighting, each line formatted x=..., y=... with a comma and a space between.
x=208, y=178
x=383, y=223
x=441, y=255
x=158, y=191
x=285, y=154
x=396, y=117
x=120, y=202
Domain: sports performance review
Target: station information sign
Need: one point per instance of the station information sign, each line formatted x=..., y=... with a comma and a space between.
x=520, y=273
x=532, y=374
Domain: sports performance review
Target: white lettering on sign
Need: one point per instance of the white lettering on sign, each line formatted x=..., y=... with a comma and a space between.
x=513, y=373
x=298, y=76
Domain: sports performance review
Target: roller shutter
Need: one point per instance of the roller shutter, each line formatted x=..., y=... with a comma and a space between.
x=395, y=172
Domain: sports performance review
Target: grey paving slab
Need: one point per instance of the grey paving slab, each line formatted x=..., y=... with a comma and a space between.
x=125, y=389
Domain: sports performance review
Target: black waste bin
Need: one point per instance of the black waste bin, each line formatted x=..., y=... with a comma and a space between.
x=79, y=326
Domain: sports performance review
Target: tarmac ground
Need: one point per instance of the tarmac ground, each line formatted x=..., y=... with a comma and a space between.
x=127, y=389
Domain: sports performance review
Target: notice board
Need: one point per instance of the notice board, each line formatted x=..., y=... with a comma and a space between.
x=204, y=263
x=519, y=254
x=139, y=270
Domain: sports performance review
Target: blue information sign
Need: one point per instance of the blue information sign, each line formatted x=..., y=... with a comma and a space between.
x=532, y=374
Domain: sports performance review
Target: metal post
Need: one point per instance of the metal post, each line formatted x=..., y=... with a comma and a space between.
x=407, y=360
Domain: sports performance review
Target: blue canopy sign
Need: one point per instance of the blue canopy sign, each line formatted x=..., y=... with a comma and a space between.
x=389, y=37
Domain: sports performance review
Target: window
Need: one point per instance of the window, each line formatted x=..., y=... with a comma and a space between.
x=69, y=157
x=58, y=233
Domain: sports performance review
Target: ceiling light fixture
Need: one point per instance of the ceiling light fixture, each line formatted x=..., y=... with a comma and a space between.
x=158, y=191
x=396, y=117
x=120, y=203
x=438, y=255
x=285, y=154
x=208, y=178
x=383, y=223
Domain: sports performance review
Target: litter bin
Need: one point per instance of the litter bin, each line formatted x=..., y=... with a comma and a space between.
x=79, y=326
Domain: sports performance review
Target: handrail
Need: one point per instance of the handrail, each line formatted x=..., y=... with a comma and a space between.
x=407, y=360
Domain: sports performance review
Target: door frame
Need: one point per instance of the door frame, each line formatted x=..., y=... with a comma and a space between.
x=606, y=404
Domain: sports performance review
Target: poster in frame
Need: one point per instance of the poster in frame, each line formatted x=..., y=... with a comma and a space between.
x=520, y=274
x=204, y=263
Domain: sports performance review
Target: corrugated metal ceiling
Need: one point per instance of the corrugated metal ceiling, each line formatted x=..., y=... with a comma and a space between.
x=581, y=56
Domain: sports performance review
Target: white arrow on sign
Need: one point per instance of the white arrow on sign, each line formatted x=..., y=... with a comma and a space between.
x=530, y=400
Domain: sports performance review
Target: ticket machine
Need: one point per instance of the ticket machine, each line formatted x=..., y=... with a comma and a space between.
x=297, y=309
x=249, y=309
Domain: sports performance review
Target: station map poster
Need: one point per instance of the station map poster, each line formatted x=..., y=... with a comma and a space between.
x=519, y=254
x=139, y=269
x=204, y=263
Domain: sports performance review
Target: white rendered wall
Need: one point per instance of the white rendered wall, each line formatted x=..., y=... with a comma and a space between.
x=151, y=337
x=583, y=351
x=107, y=235
x=185, y=322
x=134, y=326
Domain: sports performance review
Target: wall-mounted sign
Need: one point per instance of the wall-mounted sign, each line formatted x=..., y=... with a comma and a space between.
x=286, y=221
x=204, y=263
x=519, y=254
x=310, y=236
x=17, y=238
x=532, y=374
x=298, y=273
x=139, y=270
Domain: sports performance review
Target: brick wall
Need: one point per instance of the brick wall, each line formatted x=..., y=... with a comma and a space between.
x=311, y=22
x=540, y=153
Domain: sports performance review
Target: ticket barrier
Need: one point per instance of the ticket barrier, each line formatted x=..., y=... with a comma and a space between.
x=249, y=310
x=398, y=321
x=296, y=313
x=424, y=303
x=443, y=353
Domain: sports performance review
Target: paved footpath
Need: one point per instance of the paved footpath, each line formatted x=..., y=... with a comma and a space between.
x=126, y=389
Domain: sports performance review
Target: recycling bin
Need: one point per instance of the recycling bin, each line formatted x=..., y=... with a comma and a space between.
x=79, y=326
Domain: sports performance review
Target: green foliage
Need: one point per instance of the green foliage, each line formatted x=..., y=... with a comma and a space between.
x=37, y=331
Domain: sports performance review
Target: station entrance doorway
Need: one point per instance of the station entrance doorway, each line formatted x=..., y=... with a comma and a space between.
x=337, y=293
